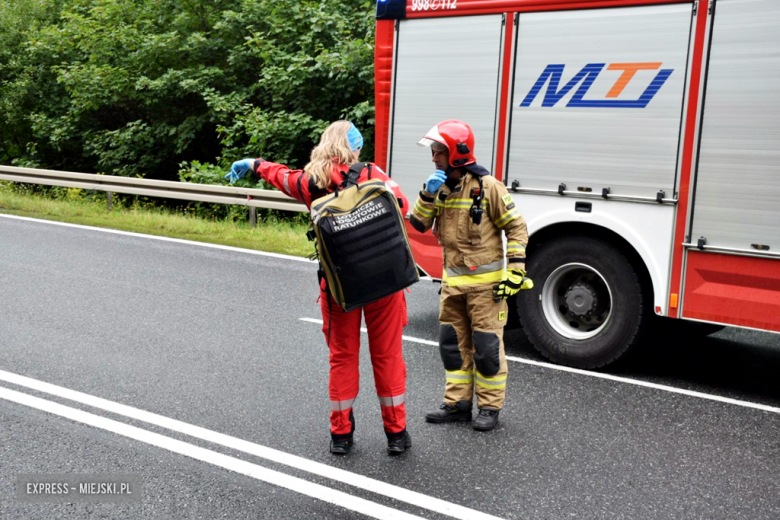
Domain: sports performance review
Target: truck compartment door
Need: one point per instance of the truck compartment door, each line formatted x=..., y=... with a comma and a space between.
x=598, y=99
x=736, y=205
x=446, y=68
x=737, y=197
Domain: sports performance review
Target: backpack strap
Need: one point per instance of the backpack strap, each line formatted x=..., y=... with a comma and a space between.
x=314, y=191
x=354, y=174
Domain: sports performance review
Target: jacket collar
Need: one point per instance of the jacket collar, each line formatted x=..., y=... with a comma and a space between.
x=476, y=170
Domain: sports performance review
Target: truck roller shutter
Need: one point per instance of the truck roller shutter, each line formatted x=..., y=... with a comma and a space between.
x=737, y=197
x=736, y=201
x=447, y=68
x=598, y=97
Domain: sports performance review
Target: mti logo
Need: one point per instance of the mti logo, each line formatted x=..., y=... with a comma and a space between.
x=587, y=76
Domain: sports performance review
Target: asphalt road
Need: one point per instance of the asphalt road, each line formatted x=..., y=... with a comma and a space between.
x=213, y=338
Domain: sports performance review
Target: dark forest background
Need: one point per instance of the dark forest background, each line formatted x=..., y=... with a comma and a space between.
x=178, y=89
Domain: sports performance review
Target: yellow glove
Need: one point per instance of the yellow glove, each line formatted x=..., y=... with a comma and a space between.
x=514, y=281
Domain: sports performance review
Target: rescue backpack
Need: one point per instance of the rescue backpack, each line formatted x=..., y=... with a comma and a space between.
x=361, y=241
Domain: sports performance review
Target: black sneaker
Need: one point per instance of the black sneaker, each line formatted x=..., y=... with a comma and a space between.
x=398, y=444
x=341, y=446
x=461, y=411
x=486, y=420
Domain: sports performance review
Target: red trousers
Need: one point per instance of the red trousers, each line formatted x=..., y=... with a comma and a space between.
x=385, y=320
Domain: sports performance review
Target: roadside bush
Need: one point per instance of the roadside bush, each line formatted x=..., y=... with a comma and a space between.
x=178, y=89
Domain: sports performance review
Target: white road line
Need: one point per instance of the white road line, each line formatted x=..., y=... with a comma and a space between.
x=599, y=375
x=164, y=239
x=353, y=479
x=269, y=476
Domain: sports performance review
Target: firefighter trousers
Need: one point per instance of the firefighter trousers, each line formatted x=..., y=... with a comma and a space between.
x=385, y=320
x=471, y=343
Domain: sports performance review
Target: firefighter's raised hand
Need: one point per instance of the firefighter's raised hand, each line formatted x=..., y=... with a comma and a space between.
x=239, y=169
x=435, y=181
x=513, y=282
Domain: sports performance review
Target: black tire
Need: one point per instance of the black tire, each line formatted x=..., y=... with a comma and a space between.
x=573, y=276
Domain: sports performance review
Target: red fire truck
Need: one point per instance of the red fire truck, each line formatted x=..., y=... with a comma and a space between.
x=640, y=140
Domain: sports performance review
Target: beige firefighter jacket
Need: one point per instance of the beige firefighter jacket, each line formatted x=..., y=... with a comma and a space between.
x=473, y=254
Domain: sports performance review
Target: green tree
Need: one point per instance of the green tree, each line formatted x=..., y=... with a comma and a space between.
x=152, y=87
x=22, y=84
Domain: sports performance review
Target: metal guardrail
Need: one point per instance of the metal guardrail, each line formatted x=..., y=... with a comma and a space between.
x=253, y=198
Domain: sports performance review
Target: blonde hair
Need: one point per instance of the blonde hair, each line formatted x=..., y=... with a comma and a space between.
x=333, y=148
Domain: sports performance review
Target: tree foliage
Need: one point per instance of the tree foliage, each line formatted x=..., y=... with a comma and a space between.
x=174, y=89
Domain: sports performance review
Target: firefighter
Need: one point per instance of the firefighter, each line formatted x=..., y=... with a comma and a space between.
x=468, y=210
x=339, y=147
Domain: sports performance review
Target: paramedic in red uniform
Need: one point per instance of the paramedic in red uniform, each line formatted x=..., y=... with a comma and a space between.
x=339, y=147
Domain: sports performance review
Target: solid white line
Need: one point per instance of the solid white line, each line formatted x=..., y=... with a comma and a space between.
x=353, y=479
x=269, y=476
x=164, y=239
x=600, y=375
x=666, y=388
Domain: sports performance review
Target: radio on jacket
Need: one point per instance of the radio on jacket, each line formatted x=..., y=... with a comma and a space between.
x=361, y=241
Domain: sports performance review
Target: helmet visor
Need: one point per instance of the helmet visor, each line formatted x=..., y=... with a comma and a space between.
x=433, y=136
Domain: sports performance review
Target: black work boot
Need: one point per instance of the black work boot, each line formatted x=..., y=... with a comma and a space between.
x=486, y=420
x=341, y=446
x=341, y=443
x=398, y=443
x=461, y=411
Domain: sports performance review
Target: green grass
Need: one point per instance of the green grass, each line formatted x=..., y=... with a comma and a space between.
x=272, y=236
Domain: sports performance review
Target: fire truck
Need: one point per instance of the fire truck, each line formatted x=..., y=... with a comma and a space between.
x=640, y=139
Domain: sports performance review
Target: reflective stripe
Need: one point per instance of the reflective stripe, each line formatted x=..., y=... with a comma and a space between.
x=286, y=182
x=507, y=217
x=514, y=246
x=460, y=377
x=481, y=269
x=458, y=203
x=473, y=279
x=419, y=208
x=392, y=401
x=452, y=202
x=491, y=381
x=338, y=406
x=495, y=386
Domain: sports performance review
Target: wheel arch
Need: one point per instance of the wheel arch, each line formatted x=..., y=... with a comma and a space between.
x=627, y=242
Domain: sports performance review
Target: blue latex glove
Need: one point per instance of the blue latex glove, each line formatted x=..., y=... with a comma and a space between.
x=239, y=169
x=435, y=181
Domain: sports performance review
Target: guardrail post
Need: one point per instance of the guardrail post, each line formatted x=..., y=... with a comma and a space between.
x=109, y=200
x=252, y=213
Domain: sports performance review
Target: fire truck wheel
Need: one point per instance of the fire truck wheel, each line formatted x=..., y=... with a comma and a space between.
x=588, y=304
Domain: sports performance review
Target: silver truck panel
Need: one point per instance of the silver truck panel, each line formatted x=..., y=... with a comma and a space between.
x=628, y=141
x=737, y=197
x=447, y=68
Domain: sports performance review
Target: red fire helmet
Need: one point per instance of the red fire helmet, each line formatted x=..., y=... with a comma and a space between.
x=457, y=137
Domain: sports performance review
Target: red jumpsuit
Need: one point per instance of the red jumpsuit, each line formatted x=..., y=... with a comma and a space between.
x=385, y=319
